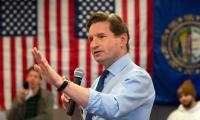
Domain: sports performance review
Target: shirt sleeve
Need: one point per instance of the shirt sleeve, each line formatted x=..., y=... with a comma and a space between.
x=131, y=93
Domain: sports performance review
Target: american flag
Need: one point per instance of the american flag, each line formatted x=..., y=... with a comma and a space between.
x=57, y=28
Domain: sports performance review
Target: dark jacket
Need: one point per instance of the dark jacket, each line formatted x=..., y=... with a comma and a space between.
x=44, y=108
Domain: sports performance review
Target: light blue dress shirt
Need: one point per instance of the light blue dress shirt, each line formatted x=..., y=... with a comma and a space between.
x=128, y=93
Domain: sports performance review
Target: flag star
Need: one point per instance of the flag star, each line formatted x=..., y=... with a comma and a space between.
x=91, y=4
x=22, y=19
x=3, y=32
x=25, y=32
x=3, y=7
x=22, y=3
x=15, y=28
x=7, y=28
x=7, y=11
x=99, y=3
x=11, y=32
x=84, y=30
x=84, y=3
x=88, y=8
x=22, y=28
x=7, y=19
x=110, y=8
x=33, y=32
x=33, y=7
x=80, y=33
x=80, y=25
x=87, y=16
x=11, y=24
x=18, y=32
x=80, y=8
x=3, y=24
x=103, y=8
x=33, y=23
x=29, y=28
x=22, y=11
x=29, y=11
x=107, y=4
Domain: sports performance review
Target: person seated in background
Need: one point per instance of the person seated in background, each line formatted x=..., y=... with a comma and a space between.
x=189, y=109
x=33, y=102
x=2, y=114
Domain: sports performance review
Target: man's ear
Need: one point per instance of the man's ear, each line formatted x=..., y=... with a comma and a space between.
x=124, y=39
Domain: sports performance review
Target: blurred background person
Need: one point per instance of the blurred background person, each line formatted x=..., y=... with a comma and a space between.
x=189, y=108
x=33, y=102
x=2, y=114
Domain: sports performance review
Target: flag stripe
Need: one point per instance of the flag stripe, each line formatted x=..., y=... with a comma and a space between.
x=41, y=31
x=82, y=60
x=73, y=42
x=59, y=43
x=118, y=8
x=53, y=43
x=65, y=38
x=24, y=57
x=2, y=101
x=47, y=33
x=124, y=10
x=7, y=72
x=130, y=21
x=29, y=46
x=137, y=31
x=88, y=64
x=150, y=36
x=13, y=67
x=19, y=65
x=143, y=33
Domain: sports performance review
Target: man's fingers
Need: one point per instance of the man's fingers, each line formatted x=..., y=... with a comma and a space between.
x=65, y=98
x=37, y=68
x=41, y=60
x=36, y=55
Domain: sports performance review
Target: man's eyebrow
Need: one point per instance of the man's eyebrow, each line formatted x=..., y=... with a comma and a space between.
x=97, y=34
x=100, y=34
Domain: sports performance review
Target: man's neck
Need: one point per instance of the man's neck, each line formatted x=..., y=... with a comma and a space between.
x=193, y=104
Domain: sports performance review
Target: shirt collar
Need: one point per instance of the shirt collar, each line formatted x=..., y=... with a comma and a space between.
x=117, y=66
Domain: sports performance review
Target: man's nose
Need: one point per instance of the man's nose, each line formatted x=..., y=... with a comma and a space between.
x=94, y=43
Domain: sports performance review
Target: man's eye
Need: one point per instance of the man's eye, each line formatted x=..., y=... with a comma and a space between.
x=102, y=36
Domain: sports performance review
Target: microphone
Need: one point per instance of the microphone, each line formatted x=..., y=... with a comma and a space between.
x=29, y=91
x=78, y=75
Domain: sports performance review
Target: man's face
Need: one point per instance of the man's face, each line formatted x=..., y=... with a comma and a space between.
x=105, y=46
x=33, y=79
x=186, y=100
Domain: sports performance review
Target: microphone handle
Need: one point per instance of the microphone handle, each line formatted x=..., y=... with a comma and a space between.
x=72, y=104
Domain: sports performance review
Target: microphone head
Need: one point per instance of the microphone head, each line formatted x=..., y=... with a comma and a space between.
x=78, y=72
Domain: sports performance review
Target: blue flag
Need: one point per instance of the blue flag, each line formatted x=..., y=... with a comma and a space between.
x=176, y=48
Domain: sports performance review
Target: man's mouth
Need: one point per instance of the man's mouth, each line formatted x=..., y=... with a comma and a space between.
x=97, y=52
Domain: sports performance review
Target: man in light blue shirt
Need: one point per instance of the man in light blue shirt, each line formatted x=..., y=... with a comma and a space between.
x=127, y=92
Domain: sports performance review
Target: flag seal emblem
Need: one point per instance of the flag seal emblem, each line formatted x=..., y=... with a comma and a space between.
x=181, y=44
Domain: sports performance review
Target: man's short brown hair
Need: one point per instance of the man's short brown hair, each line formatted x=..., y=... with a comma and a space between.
x=117, y=25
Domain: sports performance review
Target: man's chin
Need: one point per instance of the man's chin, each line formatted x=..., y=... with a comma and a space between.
x=99, y=60
x=187, y=106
